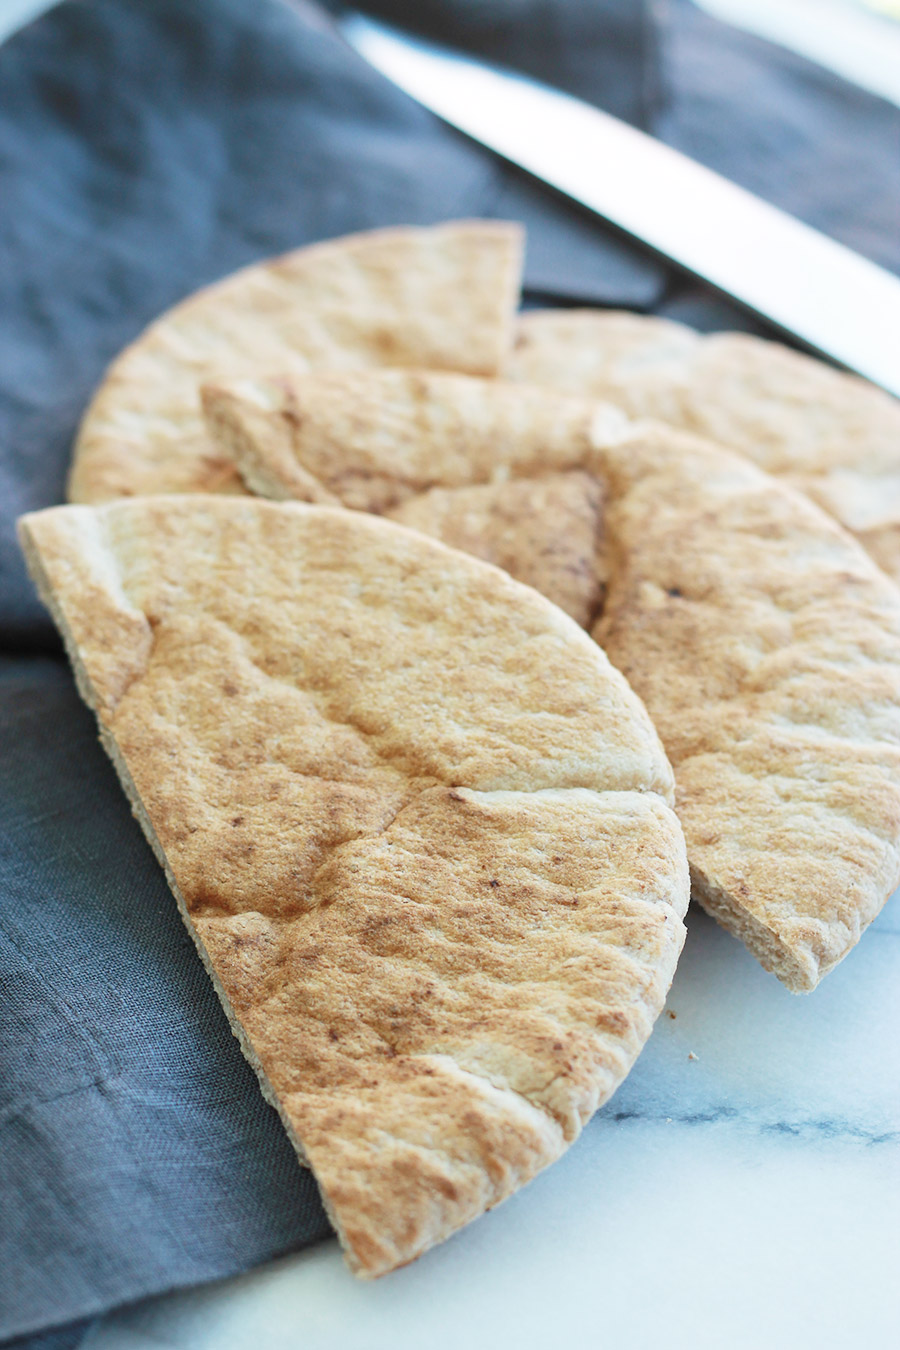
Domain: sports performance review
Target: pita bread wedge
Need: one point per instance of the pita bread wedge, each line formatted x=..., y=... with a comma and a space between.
x=833, y=436
x=414, y=820
x=547, y=532
x=435, y=452
x=762, y=638
x=439, y=297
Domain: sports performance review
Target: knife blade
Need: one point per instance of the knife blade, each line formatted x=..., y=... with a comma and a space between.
x=810, y=286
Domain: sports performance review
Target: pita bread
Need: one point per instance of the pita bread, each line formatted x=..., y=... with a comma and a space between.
x=442, y=296
x=833, y=436
x=547, y=532
x=433, y=453
x=763, y=640
x=414, y=820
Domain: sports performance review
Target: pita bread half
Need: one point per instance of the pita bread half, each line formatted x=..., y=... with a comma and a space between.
x=832, y=435
x=414, y=820
x=442, y=296
x=763, y=640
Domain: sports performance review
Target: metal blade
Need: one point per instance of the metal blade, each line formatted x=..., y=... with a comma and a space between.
x=826, y=295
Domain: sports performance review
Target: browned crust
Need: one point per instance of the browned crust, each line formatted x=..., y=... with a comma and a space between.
x=413, y=819
x=441, y=296
x=764, y=642
x=832, y=435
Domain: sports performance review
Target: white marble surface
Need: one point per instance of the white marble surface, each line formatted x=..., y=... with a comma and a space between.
x=743, y=1199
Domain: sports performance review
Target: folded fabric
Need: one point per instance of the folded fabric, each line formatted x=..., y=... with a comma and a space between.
x=136, y=1147
x=148, y=149
x=144, y=151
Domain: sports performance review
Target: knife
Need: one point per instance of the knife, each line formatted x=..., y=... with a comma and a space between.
x=813, y=288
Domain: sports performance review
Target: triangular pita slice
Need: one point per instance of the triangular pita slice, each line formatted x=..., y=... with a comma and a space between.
x=547, y=532
x=433, y=452
x=762, y=638
x=832, y=435
x=442, y=296
x=414, y=820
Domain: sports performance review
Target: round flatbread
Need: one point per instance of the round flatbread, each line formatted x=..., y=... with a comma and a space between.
x=441, y=297
x=832, y=435
x=416, y=823
x=762, y=638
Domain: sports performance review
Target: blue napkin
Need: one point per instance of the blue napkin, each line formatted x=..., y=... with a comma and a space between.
x=145, y=149
x=136, y=1151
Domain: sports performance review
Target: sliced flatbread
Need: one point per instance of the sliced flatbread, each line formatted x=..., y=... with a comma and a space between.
x=762, y=638
x=436, y=452
x=833, y=436
x=443, y=297
x=414, y=820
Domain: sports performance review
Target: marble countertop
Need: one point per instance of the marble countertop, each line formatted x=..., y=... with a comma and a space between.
x=739, y=1191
